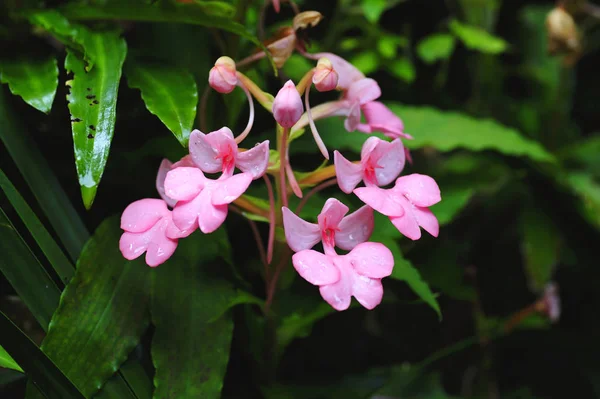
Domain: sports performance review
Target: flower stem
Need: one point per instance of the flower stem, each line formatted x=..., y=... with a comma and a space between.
x=282, y=166
x=256, y=234
x=315, y=189
x=271, y=221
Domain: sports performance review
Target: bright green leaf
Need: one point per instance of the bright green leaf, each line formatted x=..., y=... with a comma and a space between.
x=455, y=198
x=169, y=93
x=387, y=46
x=373, y=9
x=403, y=69
x=7, y=361
x=366, y=62
x=438, y=46
x=477, y=39
x=34, y=79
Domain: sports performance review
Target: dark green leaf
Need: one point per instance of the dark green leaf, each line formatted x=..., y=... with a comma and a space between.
x=455, y=198
x=438, y=46
x=403, y=69
x=7, y=361
x=477, y=39
x=63, y=267
x=588, y=189
x=108, y=298
x=46, y=376
x=191, y=359
x=35, y=80
x=42, y=182
x=26, y=274
x=93, y=102
x=169, y=93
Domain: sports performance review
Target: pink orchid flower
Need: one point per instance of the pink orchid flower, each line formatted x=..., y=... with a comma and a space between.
x=340, y=277
x=381, y=119
x=380, y=163
x=164, y=168
x=287, y=105
x=406, y=204
x=149, y=228
x=347, y=73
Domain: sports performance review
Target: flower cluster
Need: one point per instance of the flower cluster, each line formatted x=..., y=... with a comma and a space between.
x=201, y=202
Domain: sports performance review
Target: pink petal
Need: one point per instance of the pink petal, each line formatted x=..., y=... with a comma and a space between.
x=391, y=158
x=355, y=228
x=183, y=184
x=347, y=73
x=407, y=225
x=276, y=5
x=228, y=190
x=164, y=168
x=421, y=190
x=363, y=91
x=383, y=201
x=143, y=214
x=427, y=220
x=381, y=118
x=353, y=119
x=369, y=146
x=300, y=234
x=210, y=217
x=157, y=246
x=339, y=294
x=204, y=154
x=173, y=231
x=372, y=259
x=185, y=214
x=315, y=267
x=287, y=105
x=255, y=160
x=331, y=215
x=160, y=249
x=367, y=291
x=348, y=174
x=185, y=161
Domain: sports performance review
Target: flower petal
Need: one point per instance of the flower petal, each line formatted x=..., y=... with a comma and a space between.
x=348, y=174
x=300, y=234
x=185, y=214
x=255, y=160
x=355, y=228
x=421, y=190
x=367, y=291
x=229, y=189
x=204, y=154
x=163, y=169
x=383, y=201
x=143, y=214
x=339, y=294
x=332, y=214
x=347, y=73
x=315, y=267
x=160, y=248
x=427, y=220
x=407, y=225
x=363, y=91
x=183, y=184
x=210, y=217
x=157, y=246
x=391, y=159
x=372, y=259
x=353, y=118
x=381, y=118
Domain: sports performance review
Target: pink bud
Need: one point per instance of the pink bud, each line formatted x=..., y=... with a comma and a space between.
x=223, y=76
x=325, y=77
x=287, y=106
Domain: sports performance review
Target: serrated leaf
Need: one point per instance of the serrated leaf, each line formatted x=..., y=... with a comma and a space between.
x=438, y=46
x=33, y=79
x=7, y=361
x=477, y=39
x=108, y=298
x=92, y=103
x=170, y=93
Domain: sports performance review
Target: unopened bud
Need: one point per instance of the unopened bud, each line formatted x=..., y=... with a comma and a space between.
x=287, y=106
x=223, y=76
x=562, y=32
x=325, y=77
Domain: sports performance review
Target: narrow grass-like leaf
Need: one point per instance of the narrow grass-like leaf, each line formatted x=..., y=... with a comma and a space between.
x=34, y=79
x=26, y=274
x=169, y=93
x=42, y=182
x=102, y=312
x=93, y=102
x=46, y=376
x=7, y=361
x=61, y=264
x=191, y=359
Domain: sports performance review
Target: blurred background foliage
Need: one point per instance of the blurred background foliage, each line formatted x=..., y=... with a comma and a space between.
x=501, y=98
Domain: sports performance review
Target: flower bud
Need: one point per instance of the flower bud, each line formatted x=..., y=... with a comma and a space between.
x=563, y=36
x=223, y=76
x=287, y=106
x=325, y=77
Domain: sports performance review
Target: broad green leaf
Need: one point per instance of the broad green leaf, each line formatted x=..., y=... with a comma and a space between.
x=584, y=154
x=366, y=62
x=61, y=264
x=169, y=93
x=46, y=376
x=403, y=69
x=43, y=183
x=108, y=297
x=26, y=274
x=373, y=9
x=588, y=190
x=477, y=39
x=436, y=47
x=455, y=198
x=387, y=46
x=7, y=361
x=92, y=103
x=299, y=324
x=191, y=359
x=34, y=79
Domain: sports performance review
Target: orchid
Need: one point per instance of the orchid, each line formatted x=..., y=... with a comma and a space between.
x=339, y=277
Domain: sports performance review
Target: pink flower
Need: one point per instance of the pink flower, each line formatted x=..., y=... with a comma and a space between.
x=276, y=5
x=381, y=119
x=223, y=76
x=406, y=204
x=287, y=105
x=149, y=228
x=325, y=77
x=347, y=73
x=359, y=93
x=163, y=169
x=380, y=163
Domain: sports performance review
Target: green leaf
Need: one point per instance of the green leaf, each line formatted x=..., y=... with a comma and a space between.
x=477, y=39
x=169, y=93
x=61, y=264
x=366, y=62
x=26, y=274
x=92, y=103
x=436, y=47
x=403, y=69
x=46, y=376
x=541, y=247
x=8, y=362
x=43, y=183
x=191, y=359
x=373, y=9
x=588, y=190
x=108, y=298
x=34, y=79
x=455, y=198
